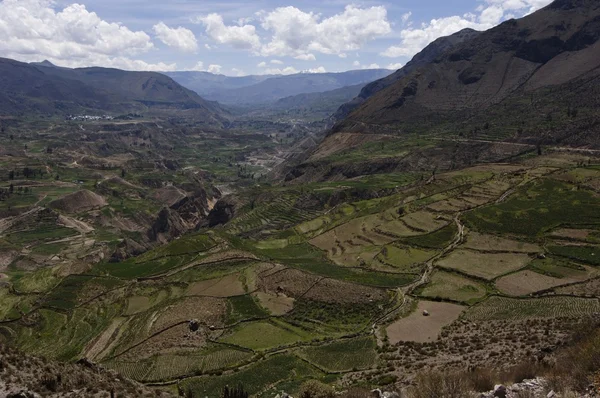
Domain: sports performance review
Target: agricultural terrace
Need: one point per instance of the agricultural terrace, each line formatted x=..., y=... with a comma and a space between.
x=341, y=292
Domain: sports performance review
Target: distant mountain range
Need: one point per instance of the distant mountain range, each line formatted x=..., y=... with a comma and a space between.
x=43, y=88
x=253, y=90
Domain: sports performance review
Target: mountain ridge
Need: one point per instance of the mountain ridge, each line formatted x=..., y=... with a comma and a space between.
x=44, y=88
x=529, y=82
x=515, y=55
x=270, y=88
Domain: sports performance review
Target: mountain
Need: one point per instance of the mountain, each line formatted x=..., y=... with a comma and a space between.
x=427, y=55
x=206, y=83
x=519, y=58
x=533, y=82
x=308, y=107
x=45, y=89
x=45, y=63
x=268, y=89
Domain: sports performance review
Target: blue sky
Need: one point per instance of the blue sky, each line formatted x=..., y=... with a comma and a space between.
x=239, y=37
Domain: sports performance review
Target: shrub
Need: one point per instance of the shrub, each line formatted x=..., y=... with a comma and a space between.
x=576, y=364
x=315, y=389
x=440, y=385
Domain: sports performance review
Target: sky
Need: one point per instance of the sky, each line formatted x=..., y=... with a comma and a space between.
x=237, y=38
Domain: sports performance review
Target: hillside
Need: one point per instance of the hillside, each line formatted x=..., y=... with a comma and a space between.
x=302, y=108
x=322, y=101
x=533, y=81
x=206, y=83
x=427, y=55
x=519, y=58
x=45, y=89
x=275, y=88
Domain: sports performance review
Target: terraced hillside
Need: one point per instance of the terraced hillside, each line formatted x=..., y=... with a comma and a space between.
x=287, y=292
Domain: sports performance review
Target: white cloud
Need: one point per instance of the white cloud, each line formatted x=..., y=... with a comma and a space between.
x=358, y=65
x=262, y=65
x=33, y=30
x=306, y=57
x=298, y=33
x=180, y=38
x=207, y=46
x=199, y=67
x=216, y=69
x=395, y=66
x=413, y=40
x=290, y=70
x=242, y=37
x=320, y=69
x=238, y=72
x=276, y=62
x=295, y=33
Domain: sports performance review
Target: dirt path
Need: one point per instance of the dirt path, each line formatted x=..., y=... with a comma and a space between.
x=458, y=239
x=552, y=148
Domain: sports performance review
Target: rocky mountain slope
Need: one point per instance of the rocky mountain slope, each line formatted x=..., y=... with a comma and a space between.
x=533, y=81
x=45, y=89
x=427, y=55
x=552, y=47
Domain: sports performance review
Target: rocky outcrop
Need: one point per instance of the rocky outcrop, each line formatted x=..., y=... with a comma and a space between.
x=536, y=388
x=184, y=215
x=128, y=248
x=225, y=209
x=168, y=225
x=79, y=201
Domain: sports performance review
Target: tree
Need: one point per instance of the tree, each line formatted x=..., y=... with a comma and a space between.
x=11, y=188
x=123, y=173
x=11, y=175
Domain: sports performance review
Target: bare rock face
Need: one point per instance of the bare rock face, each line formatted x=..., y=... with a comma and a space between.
x=224, y=210
x=184, y=215
x=126, y=249
x=500, y=391
x=167, y=226
x=429, y=54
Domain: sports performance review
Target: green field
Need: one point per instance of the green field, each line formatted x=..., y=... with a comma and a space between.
x=446, y=285
x=342, y=356
x=435, y=240
x=264, y=373
x=537, y=208
x=501, y=308
x=585, y=254
x=264, y=334
x=243, y=308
